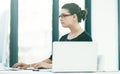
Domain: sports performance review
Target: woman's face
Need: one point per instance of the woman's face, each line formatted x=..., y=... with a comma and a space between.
x=66, y=18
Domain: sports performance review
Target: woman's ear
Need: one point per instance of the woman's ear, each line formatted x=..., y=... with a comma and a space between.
x=74, y=16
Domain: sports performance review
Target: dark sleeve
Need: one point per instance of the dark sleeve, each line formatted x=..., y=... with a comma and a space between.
x=50, y=57
x=87, y=37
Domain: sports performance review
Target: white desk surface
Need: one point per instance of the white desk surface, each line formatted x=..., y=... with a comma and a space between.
x=45, y=72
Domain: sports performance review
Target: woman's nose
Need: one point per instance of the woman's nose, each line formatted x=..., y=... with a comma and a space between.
x=61, y=19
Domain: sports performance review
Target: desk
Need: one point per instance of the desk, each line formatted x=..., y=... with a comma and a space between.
x=41, y=72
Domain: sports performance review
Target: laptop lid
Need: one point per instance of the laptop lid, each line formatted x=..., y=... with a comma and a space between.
x=74, y=57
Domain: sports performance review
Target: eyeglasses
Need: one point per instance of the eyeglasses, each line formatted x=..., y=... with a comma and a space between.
x=65, y=15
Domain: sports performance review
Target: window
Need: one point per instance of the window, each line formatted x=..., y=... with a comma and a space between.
x=4, y=31
x=35, y=30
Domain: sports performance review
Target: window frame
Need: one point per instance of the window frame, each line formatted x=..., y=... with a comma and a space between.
x=119, y=33
x=13, y=32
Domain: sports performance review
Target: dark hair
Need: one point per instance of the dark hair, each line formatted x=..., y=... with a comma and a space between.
x=75, y=9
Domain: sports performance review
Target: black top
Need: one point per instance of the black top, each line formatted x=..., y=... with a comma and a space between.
x=82, y=37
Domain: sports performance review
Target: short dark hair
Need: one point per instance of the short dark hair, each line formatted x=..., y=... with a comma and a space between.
x=75, y=9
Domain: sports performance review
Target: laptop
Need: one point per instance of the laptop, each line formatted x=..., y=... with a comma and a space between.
x=74, y=57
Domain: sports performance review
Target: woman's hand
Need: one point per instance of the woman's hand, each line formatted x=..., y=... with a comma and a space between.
x=21, y=65
x=42, y=65
x=46, y=64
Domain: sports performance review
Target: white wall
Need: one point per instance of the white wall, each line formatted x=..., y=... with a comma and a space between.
x=105, y=32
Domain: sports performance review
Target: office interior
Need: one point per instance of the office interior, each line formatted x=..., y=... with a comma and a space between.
x=29, y=27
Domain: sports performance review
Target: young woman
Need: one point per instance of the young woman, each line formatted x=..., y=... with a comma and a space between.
x=70, y=17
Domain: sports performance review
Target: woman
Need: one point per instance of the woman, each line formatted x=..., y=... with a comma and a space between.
x=71, y=17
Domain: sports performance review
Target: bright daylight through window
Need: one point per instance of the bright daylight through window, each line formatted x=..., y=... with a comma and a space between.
x=35, y=30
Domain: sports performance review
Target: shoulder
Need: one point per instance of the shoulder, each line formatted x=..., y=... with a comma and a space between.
x=86, y=36
x=64, y=37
